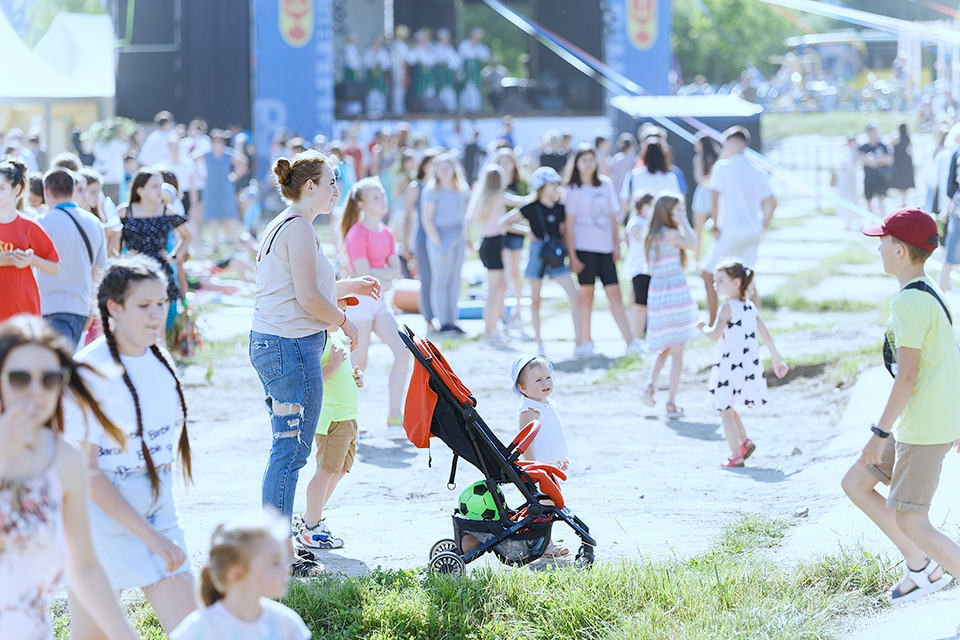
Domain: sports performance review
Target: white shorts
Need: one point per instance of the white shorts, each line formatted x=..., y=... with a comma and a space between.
x=743, y=248
x=368, y=310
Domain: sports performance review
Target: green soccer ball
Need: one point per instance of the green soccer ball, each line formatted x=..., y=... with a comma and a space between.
x=477, y=503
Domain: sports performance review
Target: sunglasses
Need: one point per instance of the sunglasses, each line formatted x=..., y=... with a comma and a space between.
x=49, y=380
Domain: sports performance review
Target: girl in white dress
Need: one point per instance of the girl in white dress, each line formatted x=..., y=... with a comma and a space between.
x=736, y=377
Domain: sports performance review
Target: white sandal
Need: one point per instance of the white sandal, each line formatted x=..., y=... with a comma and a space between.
x=647, y=397
x=922, y=584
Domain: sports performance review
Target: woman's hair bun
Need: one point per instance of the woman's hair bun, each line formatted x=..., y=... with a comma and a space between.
x=282, y=170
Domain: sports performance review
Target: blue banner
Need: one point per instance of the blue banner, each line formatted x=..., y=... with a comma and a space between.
x=294, y=70
x=639, y=45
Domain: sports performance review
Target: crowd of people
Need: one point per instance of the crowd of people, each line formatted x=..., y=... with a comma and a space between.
x=94, y=372
x=422, y=73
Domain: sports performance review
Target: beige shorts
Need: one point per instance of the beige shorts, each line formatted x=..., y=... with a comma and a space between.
x=337, y=448
x=743, y=249
x=912, y=472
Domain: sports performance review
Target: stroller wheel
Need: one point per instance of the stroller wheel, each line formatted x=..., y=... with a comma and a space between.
x=585, y=557
x=443, y=545
x=448, y=563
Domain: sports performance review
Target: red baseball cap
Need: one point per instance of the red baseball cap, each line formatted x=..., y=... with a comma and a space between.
x=911, y=225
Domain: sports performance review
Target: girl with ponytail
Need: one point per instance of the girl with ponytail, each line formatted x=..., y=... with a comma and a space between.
x=371, y=251
x=736, y=378
x=248, y=565
x=134, y=520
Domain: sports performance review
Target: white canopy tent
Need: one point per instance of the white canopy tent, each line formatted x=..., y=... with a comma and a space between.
x=67, y=81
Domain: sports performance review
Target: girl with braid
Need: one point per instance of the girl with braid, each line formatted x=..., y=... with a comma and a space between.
x=134, y=521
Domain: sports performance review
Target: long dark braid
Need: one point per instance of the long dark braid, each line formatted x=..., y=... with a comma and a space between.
x=183, y=446
x=114, y=285
x=115, y=353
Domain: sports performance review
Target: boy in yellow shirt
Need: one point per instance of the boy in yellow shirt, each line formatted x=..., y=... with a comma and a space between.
x=924, y=359
x=336, y=440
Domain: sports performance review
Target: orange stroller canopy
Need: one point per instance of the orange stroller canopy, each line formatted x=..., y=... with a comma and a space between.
x=422, y=400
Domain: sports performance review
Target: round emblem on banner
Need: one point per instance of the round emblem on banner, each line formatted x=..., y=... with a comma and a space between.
x=296, y=21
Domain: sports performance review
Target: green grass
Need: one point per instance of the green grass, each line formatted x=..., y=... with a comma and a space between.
x=734, y=590
x=838, y=369
x=776, y=126
x=790, y=294
x=622, y=367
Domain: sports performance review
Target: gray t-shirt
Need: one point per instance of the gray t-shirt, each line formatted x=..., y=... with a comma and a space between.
x=71, y=290
x=449, y=214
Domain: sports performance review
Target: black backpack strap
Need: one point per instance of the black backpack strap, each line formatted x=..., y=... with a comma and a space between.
x=274, y=235
x=83, y=234
x=923, y=286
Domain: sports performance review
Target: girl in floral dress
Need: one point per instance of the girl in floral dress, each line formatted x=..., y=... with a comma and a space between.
x=671, y=312
x=44, y=530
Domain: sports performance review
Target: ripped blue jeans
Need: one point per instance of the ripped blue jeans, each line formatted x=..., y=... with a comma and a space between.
x=292, y=379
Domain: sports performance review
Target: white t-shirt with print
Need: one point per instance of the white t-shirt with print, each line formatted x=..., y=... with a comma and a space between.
x=742, y=188
x=277, y=622
x=159, y=407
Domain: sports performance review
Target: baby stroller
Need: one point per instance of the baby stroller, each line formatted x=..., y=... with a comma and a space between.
x=438, y=404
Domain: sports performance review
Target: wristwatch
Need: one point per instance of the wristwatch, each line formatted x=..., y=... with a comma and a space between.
x=880, y=433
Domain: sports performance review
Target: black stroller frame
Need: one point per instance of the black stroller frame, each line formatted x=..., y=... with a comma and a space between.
x=446, y=555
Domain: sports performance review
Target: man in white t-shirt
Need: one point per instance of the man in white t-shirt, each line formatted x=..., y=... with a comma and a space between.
x=743, y=206
x=154, y=148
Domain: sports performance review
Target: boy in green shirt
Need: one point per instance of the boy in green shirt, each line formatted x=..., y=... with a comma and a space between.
x=925, y=399
x=336, y=440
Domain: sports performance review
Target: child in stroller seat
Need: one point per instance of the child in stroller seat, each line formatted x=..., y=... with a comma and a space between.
x=532, y=378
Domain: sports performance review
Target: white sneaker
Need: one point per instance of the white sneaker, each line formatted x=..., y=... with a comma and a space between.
x=585, y=350
x=541, y=351
x=635, y=348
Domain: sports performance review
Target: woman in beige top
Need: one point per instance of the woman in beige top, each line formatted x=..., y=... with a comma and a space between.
x=298, y=301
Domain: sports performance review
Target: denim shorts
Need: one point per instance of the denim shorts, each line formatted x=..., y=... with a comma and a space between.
x=290, y=372
x=952, y=241
x=69, y=325
x=125, y=557
x=513, y=241
x=536, y=269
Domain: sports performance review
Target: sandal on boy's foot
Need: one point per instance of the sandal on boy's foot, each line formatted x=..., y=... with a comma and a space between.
x=923, y=584
x=305, y=565
x=553, y=551
x=731, y=463
x=747, y=448
x=673, y=411
x=647, y=397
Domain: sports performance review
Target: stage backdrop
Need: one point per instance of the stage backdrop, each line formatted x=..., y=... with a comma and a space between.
x=638, y=45
x=293, y=70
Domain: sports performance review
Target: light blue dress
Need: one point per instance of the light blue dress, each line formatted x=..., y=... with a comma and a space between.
x=219, y=198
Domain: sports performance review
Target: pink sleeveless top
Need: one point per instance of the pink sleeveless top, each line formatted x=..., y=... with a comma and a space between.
x=31, y=552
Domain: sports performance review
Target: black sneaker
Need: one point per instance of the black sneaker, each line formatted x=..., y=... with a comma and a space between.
x=305, y=565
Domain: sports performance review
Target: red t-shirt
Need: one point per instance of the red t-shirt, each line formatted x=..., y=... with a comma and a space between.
x=18, y=287
x=375, y=247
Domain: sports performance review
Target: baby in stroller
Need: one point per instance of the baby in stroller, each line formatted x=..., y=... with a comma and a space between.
x=439, y=405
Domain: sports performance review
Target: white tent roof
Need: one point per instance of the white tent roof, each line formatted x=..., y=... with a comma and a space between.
x=83, y=46
x=27, y=76
x=686, y=106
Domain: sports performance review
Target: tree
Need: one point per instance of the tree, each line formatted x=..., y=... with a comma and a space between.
x=42, y=13
x=733, y=34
